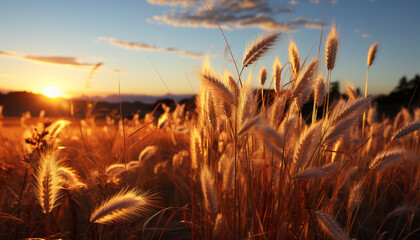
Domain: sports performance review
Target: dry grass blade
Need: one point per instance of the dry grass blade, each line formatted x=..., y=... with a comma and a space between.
x=331, y=226
x=48, y=181
x=258, y=48
x=407, y=129
x=123, y=206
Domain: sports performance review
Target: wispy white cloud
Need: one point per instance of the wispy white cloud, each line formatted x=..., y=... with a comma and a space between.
x=360, y=34
x=232, y=14
x=148, y=47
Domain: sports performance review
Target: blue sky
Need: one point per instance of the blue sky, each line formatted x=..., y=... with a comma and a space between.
x=57, y=43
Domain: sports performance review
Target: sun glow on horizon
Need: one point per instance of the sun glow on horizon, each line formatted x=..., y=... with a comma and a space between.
x=52, y=92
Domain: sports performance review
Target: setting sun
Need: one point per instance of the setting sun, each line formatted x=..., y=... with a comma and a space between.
x=52, y=92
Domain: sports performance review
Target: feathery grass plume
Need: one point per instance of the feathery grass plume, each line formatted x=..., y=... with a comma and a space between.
x=325, y=171
x=350, y=92
x=133, y=164
x=411, y=127
x=216, y=89
x=307, y=144
x=212, y=113
x=248, y=124
x=126, y=205
x=277, y=74
x=57, y=127
x=258, y=48
x=355, y=196
x=331, y=48
x=263, y=75
x=226, y=168
x=48, y=181
x=294, y=58
x=372, y=53
x=147, y=153
x=372, y=116
x=386, y=158
x=195, y=147
x=115, y=169
x=319, y=90
x=162, y=120
x=70, y=179
x=218, y=224
x=331, y=226
x=209, y=189
x=303, y=86
x=350, y=108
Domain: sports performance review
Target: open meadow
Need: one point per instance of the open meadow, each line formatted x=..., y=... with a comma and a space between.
x=274, y=155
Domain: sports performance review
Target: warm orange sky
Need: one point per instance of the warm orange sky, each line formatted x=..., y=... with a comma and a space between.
x=58, y=43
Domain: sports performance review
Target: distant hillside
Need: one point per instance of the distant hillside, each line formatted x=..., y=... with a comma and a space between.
x=406, y=94
x=16, y=103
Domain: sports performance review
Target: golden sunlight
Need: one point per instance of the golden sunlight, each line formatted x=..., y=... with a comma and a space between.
x=52, y=92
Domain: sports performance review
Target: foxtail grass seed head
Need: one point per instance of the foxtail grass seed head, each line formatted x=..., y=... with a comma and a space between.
x=48, y=181
x=372, y=54
x=294, y=58
x=263, y=75
x=126, y=205
x=331, y=48
x=277, y=74
x=258, y=48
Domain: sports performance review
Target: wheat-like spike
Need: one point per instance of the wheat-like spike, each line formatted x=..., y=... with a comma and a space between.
x=386, y=158
x=351, y=108
x=277, y=74
x=355, y=196
x=263, y=75
x=411, y=127
x=212, y=113
x=195, y=147
x=258, y=48
x=70, y=179
x=331, y=48
x=331, y=226
x=209, y=189
x=324, y=171
x=216, y=88
x=249, y=124
x=320, y=90
x=147, y=153
x=294, y=58
x=48, y=181
x=218, y=224
x=126, y=205
x=306, y=144
x=350, y=92
x=372, y=53
x=304, y=84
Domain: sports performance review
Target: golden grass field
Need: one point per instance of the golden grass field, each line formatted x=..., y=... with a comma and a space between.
x=233, y=168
